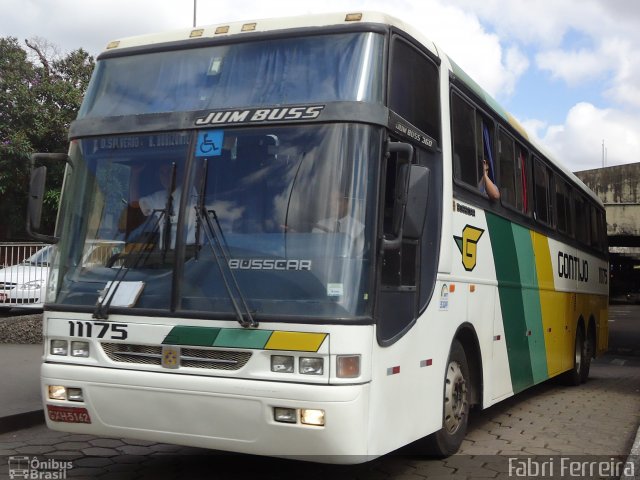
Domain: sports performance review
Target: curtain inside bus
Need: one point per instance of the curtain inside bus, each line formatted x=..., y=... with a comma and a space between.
x=297, y=70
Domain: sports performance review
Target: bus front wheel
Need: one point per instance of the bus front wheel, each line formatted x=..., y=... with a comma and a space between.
x=455, y=415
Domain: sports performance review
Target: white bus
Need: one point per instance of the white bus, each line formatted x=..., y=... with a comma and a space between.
x=311, y=265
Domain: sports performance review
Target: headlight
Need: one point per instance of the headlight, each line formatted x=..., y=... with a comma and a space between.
x=285, y=415
x=79, y=349
x=59, y=347
x=32, y=285
x=281, y=363
x=312, y=417
x=75, y=395
x=57, y=392
x=311, y=365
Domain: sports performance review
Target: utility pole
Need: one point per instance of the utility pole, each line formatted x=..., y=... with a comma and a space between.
x=194, y=12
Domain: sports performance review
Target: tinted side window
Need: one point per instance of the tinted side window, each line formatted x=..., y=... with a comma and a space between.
x=581, y=211
x=563, y=207
x=541, y=180
x=595, y=231
x=603, y=231
x=507, y=173
x=414, y=92
x=523, y=181
x=464, y=141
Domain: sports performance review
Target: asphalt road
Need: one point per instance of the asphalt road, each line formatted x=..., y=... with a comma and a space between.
x=624, y=329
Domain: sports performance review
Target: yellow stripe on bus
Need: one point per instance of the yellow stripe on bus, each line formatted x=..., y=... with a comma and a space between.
x=295, y=341
x=556, y=309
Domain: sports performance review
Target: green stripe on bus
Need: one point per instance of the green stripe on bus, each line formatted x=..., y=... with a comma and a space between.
x=531, y=302
x=196, y=336
x=242, y=338
x=511, y=301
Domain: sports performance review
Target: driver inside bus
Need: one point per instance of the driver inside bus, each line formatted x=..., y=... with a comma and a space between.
x=156, y=203
x=340, y=220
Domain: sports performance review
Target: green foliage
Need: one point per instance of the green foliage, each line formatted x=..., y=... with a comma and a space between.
x=39, y=97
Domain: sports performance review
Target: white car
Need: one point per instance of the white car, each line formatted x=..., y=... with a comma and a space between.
x=23, y=285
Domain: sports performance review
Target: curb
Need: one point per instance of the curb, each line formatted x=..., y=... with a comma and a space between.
x=19, y=421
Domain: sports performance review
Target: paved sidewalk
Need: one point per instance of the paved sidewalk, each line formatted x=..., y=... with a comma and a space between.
x=20, y=400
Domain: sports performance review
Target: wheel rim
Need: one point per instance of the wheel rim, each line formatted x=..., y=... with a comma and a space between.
x=579, y=347
x=455, y=398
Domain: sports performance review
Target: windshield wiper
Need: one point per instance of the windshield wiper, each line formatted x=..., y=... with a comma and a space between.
x=218, y=245
x=130, y=261
x=104, y=302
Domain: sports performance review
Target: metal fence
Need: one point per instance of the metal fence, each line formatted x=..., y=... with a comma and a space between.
x=14, y=253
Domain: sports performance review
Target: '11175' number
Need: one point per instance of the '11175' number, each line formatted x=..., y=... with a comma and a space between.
x=116, y=331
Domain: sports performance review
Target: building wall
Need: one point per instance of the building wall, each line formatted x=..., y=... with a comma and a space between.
x=619, y=189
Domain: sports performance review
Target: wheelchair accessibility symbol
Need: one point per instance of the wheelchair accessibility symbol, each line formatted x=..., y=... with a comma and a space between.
x=209, y=143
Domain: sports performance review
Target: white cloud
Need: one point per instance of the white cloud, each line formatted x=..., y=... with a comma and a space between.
x=578, y=142
x=573, y=67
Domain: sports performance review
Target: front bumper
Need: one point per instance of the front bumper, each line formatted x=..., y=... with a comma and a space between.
x=227, y=414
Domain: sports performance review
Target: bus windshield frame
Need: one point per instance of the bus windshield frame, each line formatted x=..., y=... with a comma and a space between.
x=273, y=195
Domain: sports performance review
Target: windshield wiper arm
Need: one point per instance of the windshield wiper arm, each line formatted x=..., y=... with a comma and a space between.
x=219, y=248
x=102, y=305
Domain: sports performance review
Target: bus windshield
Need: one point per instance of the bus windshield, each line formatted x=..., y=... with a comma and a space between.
x=287, y=210
x=339, y=67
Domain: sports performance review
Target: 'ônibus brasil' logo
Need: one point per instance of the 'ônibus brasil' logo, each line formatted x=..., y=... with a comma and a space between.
x=468, y=246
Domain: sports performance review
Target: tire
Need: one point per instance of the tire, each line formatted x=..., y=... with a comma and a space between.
x=574, y=376
x=455, y=414
x=589, y=348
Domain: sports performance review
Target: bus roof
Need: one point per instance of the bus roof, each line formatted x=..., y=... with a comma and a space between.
x=267, y=25
x=332, y=19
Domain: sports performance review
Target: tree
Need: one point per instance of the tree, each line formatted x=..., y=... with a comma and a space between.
x=40, y=94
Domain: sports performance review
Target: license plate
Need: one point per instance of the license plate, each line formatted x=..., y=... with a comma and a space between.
x=68, y=414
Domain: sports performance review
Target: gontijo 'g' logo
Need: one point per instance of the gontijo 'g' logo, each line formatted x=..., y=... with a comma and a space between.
x=468, y=246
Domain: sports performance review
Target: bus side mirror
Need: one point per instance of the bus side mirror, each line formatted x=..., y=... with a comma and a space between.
x=404, y=154
x=416, y=210
x=37, y=184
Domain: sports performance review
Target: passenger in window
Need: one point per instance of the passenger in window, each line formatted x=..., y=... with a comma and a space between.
x=486, y=185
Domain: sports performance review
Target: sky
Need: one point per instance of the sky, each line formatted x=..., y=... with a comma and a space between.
x=568, y=70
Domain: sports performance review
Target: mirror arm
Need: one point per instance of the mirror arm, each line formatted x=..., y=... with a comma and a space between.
x=52, y=157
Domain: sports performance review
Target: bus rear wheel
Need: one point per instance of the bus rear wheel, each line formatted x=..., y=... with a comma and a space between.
x=589, y=348
x=581, y=362
x=455, y=416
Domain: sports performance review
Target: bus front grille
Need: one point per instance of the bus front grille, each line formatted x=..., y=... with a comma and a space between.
x=189, y=357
